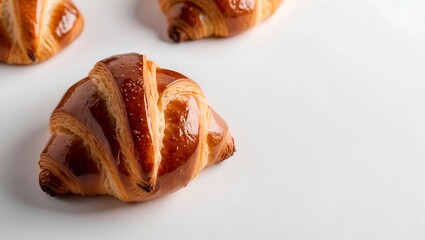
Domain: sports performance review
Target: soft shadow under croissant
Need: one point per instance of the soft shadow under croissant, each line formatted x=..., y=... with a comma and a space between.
x=32, y=31
x=131, y=130
x=196, y=19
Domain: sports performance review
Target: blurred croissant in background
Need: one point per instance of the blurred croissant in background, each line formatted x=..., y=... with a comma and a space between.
x=32, y=31
x=196, y=19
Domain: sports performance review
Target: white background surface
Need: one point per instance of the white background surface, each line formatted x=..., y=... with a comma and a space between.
x=326, y=101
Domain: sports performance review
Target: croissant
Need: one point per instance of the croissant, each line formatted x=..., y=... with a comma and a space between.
x=32, y=31
x=131, y=130
x=195, y=19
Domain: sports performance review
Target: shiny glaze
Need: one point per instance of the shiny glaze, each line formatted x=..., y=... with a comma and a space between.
x=77, y=158
x=180, y=144
x=100, y=113
x=182, y=119
x=180, y=135
x=165, y=77
x=71, y=152
x=84, y=103
x=238, y=14
x=64, y=22
x=128, y=74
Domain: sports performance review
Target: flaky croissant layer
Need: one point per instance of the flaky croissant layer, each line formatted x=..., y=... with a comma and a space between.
x=32, y=31
x=131, y=130
x=196, y=19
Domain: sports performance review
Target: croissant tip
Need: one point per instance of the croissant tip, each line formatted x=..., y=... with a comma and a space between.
x=48, y=190
x=234, y=146
x=49, y=183
x=177, y=34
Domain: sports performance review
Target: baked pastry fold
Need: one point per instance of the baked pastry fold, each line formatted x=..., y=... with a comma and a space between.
x=131, y=130
x=32, y=31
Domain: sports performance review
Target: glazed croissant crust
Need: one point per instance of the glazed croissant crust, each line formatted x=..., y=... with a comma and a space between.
x=195, y=19
x=131, y=130
x=32, y=31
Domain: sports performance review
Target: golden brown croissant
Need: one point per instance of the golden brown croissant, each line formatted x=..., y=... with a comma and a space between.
x=32, y=31
x=131, y=130
x=195, y=19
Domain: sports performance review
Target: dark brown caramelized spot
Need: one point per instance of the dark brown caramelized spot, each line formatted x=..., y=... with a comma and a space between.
x=83, y=102
x=181, y=134
x=238, y=14
x=79, y=159
x=71, y=152
x=146, y=188
x=128, y=73
x=63, y=20
x=165, y=77
x=31, y=56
